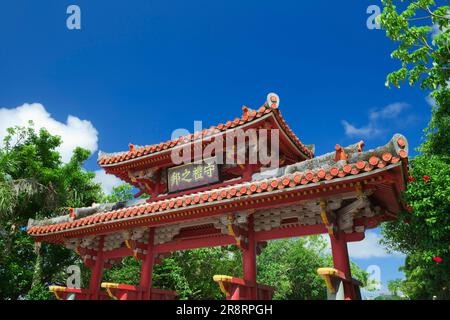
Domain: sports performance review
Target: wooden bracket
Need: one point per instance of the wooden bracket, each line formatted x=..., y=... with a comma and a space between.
x=328, y=218
x=236, y=232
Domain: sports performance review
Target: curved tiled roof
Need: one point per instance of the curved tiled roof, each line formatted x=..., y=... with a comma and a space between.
x=374, y=159
x=248, y=116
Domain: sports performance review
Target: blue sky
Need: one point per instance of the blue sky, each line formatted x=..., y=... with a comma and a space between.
x=136, y=71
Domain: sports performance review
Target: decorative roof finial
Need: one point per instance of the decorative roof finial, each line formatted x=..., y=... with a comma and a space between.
x=273, y=100
x=244, y=110
x=360, y=145
x=340, y=153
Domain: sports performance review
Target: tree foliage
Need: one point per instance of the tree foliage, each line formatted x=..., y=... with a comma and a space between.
x=426, y=226
x=395, y=286
x=423, y=232
x=122, y=192
x=35, y=183
x=421, y=29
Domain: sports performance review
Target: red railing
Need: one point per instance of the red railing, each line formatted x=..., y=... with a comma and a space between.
x=64, y=293
x=239, y=289
x=113, y=291
x=119, y=291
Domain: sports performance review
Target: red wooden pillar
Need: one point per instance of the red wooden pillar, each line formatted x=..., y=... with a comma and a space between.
x=147, y=266
x=341, y=261
x=249, y=260
x=236, y=295
x=97, y=271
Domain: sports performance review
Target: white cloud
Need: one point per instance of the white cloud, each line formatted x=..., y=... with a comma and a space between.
x=389, y=112
x=365, y=131
x=435, y=30
x=430, y=100
x=74, y=133
x=368, y=248
x=377, y=119
x=108, y=181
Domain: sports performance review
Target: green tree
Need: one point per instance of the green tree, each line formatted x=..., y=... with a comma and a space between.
x=395, y=286
x=191, y=272
x=426, y=226
x=122, y=192
x=425, y=279
x=422, y=30
x=290, y=266
x=423, y=232
x=34, y=183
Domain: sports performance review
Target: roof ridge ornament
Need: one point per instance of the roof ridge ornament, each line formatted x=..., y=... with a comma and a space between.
x=246, y=110
x=273, y=100
x=342, y=153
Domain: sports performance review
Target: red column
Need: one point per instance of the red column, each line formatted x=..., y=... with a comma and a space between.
x=249, y=259
x=147, y=266
x=97, y=271
x=236, y=294
x=341, y=261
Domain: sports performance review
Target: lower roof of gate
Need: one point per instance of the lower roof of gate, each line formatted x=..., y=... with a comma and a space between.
x=383, y=171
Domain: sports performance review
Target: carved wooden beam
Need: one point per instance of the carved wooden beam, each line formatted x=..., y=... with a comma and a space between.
x=328, y=218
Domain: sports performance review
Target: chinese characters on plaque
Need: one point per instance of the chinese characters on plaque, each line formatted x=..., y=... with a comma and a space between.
x=192, y=175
